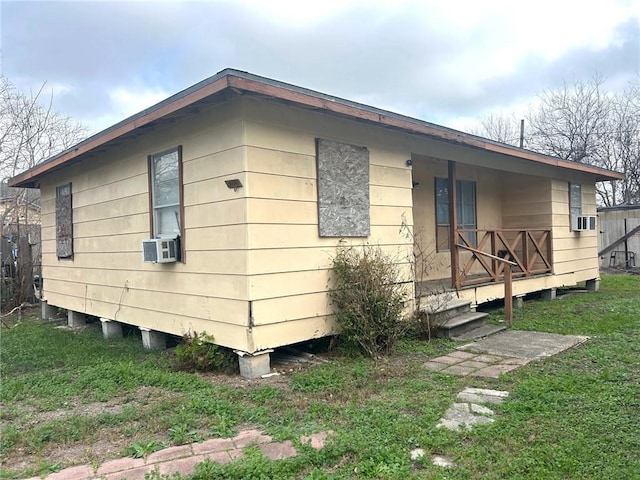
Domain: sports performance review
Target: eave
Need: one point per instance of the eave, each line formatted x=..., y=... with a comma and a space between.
x=237, y=82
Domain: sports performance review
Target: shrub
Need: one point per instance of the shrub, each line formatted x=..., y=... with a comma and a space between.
x=368, y=299
x=198, y=352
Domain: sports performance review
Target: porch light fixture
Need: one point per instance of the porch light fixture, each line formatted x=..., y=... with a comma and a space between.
x=409, y=162
x=234, y=184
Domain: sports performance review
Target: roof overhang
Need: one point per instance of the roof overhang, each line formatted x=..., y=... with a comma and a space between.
x=233, y=82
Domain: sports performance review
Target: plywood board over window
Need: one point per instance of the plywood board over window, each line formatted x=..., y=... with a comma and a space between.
x=343, y=190
x=64, y=222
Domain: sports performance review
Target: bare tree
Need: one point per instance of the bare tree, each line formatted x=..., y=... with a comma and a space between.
x=500, y=127
x=622, y=150
x=583, y=123
x=570, y=123
x=30, y=132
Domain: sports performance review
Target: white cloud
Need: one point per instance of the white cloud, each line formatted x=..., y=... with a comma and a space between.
x=124, y=102
x=127, y=101
x=436, y=60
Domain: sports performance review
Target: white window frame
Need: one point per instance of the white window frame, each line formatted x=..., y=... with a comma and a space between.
x=178, y=207
x=575, y=204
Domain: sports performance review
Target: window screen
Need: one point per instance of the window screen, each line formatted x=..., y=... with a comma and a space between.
x=466, y=211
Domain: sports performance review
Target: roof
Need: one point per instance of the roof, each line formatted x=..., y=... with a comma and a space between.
x=31, y=197
x=230, y=82
x=622, y=206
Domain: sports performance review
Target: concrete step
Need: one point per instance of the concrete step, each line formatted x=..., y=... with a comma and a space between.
x=447, y=310
x=460, y=324
x=480, y=332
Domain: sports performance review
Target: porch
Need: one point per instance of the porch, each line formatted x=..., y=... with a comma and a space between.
x=498, y=216
x=530, y=250
x=476, y=263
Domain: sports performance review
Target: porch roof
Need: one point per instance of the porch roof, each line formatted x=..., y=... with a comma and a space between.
x=229, y=83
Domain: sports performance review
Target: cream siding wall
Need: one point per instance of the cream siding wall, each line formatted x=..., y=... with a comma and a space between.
x=574, y=253
x=107, y=277
x=288, y=261
x=257, y=272
x=526, y=202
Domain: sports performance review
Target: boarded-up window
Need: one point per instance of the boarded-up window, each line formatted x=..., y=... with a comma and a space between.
x=64, y=222
x=343, y=190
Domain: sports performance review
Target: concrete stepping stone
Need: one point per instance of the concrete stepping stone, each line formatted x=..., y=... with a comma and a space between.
x=469, y=411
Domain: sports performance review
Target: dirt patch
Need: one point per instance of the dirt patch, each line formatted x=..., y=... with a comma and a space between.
x=29, y=416
x=105, y=443
x=282, y=367
x=109, y=442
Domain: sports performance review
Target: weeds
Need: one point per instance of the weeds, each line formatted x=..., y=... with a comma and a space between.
x=199, y=352
x=569, y=416
x=142, y=449
x=183, y=434
x=368, y=298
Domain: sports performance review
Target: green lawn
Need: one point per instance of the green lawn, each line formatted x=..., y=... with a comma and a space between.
x=71, y=398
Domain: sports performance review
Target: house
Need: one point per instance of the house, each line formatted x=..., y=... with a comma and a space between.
x=258, y=181
x=619, y=241
x=20, y=242
x=20, y=209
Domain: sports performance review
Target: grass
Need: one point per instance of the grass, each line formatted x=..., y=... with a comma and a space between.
x=574, y=415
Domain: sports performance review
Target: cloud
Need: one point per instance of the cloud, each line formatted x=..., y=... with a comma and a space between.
x=421, y=58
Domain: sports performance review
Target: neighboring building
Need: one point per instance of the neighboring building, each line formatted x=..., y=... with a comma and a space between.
x=20, y=242
x=619, y=236
x=20, y=218
x=19, y=208
x=260, y=180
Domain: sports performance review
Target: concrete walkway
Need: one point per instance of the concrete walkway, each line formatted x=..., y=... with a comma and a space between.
x=502, y=353
x=524, y=344
x=184, y=459
x=475, y=365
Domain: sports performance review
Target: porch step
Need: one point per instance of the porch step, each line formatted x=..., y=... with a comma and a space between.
x=462, y=323
x=449, y=309
x=477, y=333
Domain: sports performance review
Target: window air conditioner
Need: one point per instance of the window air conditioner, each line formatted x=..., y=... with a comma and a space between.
x=159, y=250
x=580, y=223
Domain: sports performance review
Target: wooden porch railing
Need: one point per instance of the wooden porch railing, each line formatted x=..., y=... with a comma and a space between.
x=529, y=250
x=508, y=290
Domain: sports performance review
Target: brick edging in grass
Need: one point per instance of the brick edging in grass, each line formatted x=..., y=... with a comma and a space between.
x=183, y=459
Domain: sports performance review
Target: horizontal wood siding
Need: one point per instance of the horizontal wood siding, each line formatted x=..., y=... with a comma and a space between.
x=526, y=202
x=288, y=261
x=107, y=276
x=574, y=252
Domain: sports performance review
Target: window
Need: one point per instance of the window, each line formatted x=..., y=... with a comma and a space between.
x=575, y=199
x=466, y=211
x=64, y=222
x=575, y=207
x=165, y=185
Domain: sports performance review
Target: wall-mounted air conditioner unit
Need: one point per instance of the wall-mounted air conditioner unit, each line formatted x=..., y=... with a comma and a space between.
x=581, y=223
x=159, y=250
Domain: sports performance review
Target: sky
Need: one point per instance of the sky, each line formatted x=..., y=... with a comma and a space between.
x=448, y=62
